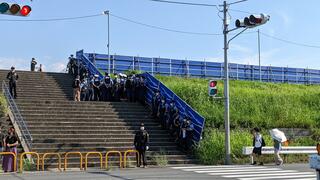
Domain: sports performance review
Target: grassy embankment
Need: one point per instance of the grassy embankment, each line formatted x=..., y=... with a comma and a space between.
x=252, y=104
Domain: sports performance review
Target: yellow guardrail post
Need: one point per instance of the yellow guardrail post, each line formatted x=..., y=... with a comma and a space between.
x=47, y=154
x=14, y=159
x=31, y=153
x=125, y=156
x=66, y=159
x=114, y=152
x=94, y=153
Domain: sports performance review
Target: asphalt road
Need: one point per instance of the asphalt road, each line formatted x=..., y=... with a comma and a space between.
x=237, y=172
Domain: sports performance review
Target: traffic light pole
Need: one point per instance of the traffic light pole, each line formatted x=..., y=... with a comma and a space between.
x=226, y=86
x=226, y=79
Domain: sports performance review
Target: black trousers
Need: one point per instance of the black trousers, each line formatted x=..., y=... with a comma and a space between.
x=142, y=156
x=13, y=89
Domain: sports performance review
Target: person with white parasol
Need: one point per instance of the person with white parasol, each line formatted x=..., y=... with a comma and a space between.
x=278, y=137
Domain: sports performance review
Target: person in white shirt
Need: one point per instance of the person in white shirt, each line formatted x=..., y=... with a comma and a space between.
x=258, y=143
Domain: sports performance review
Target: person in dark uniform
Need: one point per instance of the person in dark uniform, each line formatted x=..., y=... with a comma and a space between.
x=173, y=113
x=142, y=90
x=141, y=141
x=129, y=89
x=33, y=64
x=155, y=103
x=13, y=78
x=96, y=88
x=162, y=112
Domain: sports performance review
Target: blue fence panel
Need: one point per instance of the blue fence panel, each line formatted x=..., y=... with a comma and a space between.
x=189, y=68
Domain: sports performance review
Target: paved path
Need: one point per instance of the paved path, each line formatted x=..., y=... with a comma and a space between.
x=236, y=172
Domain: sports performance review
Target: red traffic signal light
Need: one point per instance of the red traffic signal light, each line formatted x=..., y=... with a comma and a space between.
x=213, y=83
x=14, y=9
x=252, y=21
x=212, y=90
x=25, y=10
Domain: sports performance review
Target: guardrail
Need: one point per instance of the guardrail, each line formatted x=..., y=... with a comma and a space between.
x=14, y=159
x=30, y=153
x=94, y=153
x=125, y=156
x=55, y=154
x=66, y=159
x=26, y=135
x=41, y=160
x=284, y=150
x=113, y=152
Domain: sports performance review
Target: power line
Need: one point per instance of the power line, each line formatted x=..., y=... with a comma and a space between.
x=53, y=19
x=166, y=29
x=185, y=3
x=290, y=42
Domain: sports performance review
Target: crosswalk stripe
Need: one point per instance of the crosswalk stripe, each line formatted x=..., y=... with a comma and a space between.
x=235, y=170
x=197, y=167
x=305, y=179
x=248, y=172
x=269, y=174
x=220, y=169
x=279, y=177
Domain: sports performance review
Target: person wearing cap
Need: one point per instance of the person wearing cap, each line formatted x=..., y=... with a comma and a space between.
x=33, y=64
x=156, y=99
x=13, y=77
x=141, y=141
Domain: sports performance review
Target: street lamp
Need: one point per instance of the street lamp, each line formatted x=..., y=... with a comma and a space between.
x=248, y=22
x=109, y=65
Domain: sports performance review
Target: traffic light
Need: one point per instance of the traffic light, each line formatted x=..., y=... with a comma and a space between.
x=213, y=91
x=14, y=9
x=252, y=21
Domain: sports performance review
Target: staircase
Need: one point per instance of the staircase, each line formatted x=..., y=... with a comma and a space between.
x=58, y=124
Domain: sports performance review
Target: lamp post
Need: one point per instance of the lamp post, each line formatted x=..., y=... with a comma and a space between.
x=109, y=61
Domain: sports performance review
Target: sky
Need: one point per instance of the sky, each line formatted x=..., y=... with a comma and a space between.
x=51, y=42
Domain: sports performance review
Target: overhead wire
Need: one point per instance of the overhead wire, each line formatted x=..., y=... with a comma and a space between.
x=184, y=3
x=159, y=28
x=53, y=19
x=290, y=42
x=165, y=29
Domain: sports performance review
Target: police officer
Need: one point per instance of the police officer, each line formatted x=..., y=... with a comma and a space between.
x=33, y=64
x=162, y=112
x=96, y=88
x=155, y=103
x=141, y=141
x=173, y=113
x=13, y=78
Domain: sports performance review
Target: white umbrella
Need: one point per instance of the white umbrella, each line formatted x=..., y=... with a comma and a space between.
x=278, y=135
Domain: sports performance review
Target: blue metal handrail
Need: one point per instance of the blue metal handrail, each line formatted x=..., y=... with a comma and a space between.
x=17, y=116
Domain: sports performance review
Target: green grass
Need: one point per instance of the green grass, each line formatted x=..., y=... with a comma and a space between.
x=252, y=104
x=3, y=106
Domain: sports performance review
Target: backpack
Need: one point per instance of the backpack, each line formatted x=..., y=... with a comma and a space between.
x=263, y=143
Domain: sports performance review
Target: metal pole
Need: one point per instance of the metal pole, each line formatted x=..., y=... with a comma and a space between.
x=109, y=68
x=259, y=55
x=226, y=86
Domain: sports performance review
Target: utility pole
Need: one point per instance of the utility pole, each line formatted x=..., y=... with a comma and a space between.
x=226, y=86
x=259, y=55
x=108, y=45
